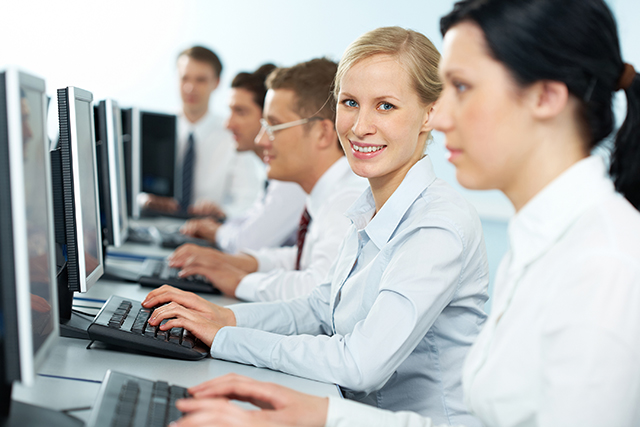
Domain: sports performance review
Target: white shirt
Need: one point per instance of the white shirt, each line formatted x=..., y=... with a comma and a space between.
x=221, y=175
x=270, y=222
x=562, y=344
x=401, y=306
x=277, y=278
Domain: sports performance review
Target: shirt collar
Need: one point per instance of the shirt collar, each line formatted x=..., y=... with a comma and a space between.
x=551, y=212
x=381, y=227
x=200, y=129
x=326, y=185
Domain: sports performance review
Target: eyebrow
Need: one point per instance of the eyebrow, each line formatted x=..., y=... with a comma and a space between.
x=377, y=98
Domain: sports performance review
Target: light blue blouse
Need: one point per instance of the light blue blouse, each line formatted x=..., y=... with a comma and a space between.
x=394, y=319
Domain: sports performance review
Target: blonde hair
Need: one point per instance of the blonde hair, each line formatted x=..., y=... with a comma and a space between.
x=415, y=53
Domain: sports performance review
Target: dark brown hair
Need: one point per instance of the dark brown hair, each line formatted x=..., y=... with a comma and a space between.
x=202, y=54
x=254, y=82
x=312, y=82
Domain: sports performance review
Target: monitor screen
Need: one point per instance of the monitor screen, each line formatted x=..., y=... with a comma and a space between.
x=131, y=142
x=111, y=168
x=87, y=184
x=80, y=182
x=158, y=141
x=29, y=303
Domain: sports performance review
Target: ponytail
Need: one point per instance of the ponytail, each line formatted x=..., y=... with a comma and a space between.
x=625, y=159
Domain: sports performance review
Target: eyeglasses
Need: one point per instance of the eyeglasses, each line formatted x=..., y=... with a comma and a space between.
x=271, y=130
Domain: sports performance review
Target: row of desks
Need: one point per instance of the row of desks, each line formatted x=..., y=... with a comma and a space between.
x=70, y=377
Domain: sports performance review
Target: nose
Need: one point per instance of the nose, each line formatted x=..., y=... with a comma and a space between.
x=187, y=87
x=442, y=120
x=227, y=123
x=364, y=124
x=262, y=139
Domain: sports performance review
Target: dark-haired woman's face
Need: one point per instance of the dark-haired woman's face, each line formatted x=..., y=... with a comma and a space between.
x=482, y=114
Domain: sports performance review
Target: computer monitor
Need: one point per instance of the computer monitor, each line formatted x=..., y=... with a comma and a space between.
x=158, y=135
x=131, y=142
x=111, y=176
x=28, y=308
x=75, y=183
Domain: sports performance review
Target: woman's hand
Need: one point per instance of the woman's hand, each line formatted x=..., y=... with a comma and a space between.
x=178, y=316
x=280, y=405
x=212, y=312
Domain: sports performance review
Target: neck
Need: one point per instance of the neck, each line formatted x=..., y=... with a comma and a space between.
x=314, y=173
x=554, y=156
x=383, y=187
x=194, y=115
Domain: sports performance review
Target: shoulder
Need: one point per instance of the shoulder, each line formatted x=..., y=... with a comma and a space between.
x=440, y=205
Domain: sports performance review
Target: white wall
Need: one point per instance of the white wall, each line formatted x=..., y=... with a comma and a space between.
x=126, y=49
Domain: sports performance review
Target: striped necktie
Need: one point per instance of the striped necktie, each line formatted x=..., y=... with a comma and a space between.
x=187, y=174
x=302, y=232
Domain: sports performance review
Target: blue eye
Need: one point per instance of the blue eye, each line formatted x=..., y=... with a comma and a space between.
x=350, y=103
x=386, y=106
x=460, y=87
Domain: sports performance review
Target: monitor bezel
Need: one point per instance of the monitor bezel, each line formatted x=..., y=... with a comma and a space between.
x=73, y=94
x=29, y=361
x=136, y=159
x=116, y=157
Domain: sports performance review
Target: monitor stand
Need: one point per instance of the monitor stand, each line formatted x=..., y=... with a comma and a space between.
x=20, y=414
x=72, y=325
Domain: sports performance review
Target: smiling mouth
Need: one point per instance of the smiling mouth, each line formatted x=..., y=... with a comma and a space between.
x=366, y=148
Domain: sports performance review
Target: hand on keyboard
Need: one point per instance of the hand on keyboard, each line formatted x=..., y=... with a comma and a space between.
x=224, y=277
x=281, y=405
x=194, y=254
x=203, y=228
x=189, y=311
x=224, y=271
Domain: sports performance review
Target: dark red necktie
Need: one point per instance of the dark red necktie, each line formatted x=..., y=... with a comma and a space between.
x=302, y=232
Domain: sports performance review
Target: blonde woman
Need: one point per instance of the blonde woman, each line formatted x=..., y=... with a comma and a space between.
x=404, y=300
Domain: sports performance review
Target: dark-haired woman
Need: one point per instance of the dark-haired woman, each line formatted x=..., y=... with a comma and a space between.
x=527, y=95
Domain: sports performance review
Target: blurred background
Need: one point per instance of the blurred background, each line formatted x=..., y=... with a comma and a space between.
x=126, y=50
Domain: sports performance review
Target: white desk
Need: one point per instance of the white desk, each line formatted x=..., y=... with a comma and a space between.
x=70, y=358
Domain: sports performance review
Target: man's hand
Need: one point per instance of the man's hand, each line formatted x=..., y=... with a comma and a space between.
x=204, y=228
x=280, y=405
x=206, y=309
x=206, y=208
x=162, y=204
x=225, y=277
x=198, y=255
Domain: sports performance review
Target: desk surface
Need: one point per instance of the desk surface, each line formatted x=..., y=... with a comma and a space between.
x=70, y=358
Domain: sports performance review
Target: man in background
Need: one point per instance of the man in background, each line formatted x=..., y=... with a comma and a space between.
x=273, y=219
x=212, y=178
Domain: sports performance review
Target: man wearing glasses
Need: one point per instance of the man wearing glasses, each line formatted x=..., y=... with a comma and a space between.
x=300, y=145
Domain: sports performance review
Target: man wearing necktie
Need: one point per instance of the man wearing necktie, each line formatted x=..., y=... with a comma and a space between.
x=300, y=145
x=211, y=177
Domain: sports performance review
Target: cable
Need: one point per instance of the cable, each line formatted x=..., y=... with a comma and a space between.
x=83, y=313
x=81, y=408
x=90, y=299
x=60, y=377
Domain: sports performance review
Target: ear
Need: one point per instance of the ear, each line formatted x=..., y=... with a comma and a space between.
x=427, y=124
x=215, y=84
x=327, y=136
x=548, y=98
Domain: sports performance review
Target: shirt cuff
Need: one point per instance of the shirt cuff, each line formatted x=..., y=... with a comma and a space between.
x=248, y=287
x=230, y=344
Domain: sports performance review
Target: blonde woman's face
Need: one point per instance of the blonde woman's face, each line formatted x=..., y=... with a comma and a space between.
x=380, y=120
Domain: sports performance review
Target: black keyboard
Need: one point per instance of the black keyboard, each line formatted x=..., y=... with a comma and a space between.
x=126, y=400
x=124, y=322
x=156, y=273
